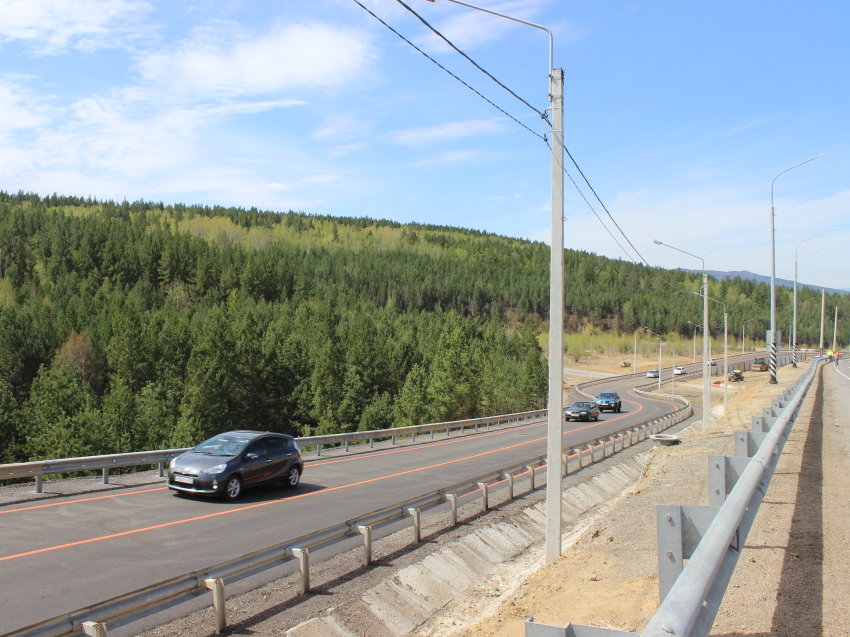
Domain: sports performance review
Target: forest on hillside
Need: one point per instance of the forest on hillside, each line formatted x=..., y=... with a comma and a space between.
x=131, y=326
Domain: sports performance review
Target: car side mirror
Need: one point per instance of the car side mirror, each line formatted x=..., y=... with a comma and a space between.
x=250, y=456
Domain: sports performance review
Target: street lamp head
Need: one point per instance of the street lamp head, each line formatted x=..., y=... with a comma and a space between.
x=657, y=242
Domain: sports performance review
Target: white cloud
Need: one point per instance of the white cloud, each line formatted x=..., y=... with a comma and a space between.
x=446, y=132
x=446, y=158
x=225, y=60
x=53, y=25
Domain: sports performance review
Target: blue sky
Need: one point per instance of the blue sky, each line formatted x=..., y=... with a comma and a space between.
x=679, y=113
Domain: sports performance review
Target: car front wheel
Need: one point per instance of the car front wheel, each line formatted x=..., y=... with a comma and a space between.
x=292, y=478
x=233, y=488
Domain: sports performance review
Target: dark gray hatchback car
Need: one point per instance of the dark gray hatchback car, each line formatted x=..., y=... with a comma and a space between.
x=230, y=462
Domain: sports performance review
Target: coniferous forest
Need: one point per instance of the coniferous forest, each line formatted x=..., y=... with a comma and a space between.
x=134, y=326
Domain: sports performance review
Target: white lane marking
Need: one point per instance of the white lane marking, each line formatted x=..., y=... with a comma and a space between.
x=845, y=375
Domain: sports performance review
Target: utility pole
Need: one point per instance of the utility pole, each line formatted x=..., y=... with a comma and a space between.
x=822, y=318
x=835, y=333
x=554, y=445
x=772, y=334
x=706, y=370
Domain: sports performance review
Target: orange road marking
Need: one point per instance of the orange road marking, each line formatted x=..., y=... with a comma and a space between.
x=261, y=504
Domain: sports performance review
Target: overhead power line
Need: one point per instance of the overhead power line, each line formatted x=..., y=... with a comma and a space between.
x=473, y=62
x=499, y=108
x=542, y=114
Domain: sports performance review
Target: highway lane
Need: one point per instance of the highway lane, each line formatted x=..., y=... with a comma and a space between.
x=120, y=542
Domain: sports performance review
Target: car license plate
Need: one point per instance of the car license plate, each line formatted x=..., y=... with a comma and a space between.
x=184, y=479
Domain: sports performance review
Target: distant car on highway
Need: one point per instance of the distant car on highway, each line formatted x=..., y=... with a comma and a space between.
x=228, y=463
x=609, y=400
x=680, y=371
x=652, y=373
x=582, y=410
x=712, y=361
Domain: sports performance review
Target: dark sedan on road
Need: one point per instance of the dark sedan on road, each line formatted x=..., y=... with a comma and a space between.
x=609, y=400
x=582, y=411
x=230, y=462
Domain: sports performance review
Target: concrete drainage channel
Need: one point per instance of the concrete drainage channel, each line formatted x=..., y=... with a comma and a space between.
x=405, y=586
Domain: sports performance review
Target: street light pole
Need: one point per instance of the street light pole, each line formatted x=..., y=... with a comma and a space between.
x=706, y=380
x=660, y=343
x=743, y=332
x=696, y=325
x=794, y=329
x=554, y=445
x=772, y=339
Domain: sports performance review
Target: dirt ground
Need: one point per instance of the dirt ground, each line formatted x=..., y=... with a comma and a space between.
x=608, y=577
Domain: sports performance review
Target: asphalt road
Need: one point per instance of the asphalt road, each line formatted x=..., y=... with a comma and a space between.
x=75, y=551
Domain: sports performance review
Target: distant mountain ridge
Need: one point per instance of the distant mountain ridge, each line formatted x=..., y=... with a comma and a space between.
x=760, y=278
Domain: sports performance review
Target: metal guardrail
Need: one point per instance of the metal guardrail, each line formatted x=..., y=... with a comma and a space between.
x=92, y=619
x=38, y=469
x=709, y=537
x=105, y=463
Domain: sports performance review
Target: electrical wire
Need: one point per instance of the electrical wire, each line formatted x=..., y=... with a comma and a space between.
x=500, y=109
x=595, y=214
x=542, y=114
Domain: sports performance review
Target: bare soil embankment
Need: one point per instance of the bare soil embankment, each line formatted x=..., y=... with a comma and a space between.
x=608, y=577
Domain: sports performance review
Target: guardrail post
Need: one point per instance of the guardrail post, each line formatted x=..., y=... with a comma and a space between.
x=577, y=451
x=106, y=475
x=484, y=500
x=592, y=454
x=161, y=467
x=417, y=525
x=318, y=450
x=510, y=486
x=680, y=529
x=366, y=532
x=564, y=468
x=413, y=437
x=747, y=443
x=531, y=476
x=723, y=473
x=346, y=446
x=452, y=497
x=216, y=585
x=39, y=480
x=371, y=443
x=432, y=434
x=392, y=441
x=448, y=432
x=95, y=629
x=303, y=556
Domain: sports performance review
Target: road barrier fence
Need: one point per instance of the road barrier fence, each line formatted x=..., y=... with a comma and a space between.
x=709, y=537
x=123, y=609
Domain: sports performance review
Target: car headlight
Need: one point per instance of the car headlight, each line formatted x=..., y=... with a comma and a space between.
x=214, y=470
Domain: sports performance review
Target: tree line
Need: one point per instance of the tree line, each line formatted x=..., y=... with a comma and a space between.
x=130, y=326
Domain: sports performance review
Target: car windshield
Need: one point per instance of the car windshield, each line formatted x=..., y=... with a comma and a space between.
x=223, y=445
x=607, y=394
x=582, y=406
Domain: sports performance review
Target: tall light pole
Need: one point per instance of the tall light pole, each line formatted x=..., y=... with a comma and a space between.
x=794, y=328
x=706, y=380
x=743, y=332
x=634, y=352
x=835, y=333
x=554, y=445
x=772, y=339
x=822, y=319
x=725, y=354
x=660, y=343
x=696, y=325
